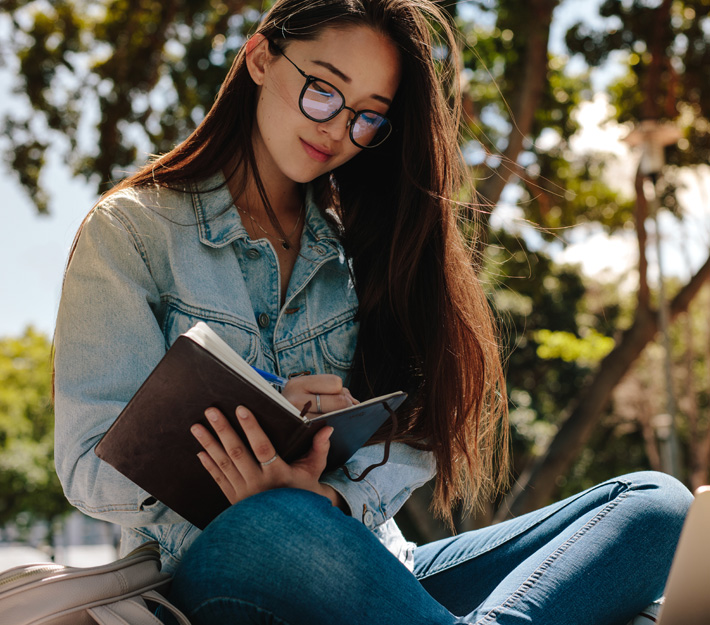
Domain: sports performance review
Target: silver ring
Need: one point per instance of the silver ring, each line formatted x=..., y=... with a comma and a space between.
x=263, y=464
x=318, y=408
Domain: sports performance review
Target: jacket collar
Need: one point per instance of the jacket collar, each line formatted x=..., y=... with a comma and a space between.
x=219, y=223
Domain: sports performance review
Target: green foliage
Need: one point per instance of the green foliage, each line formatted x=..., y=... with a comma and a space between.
x=538, y=303
x=29, y=487
x=615, y=448
x=560, y=188
x=619, y=445
x=494, y=58
x=151, y=69
x=668, y=59
x=668, y=77
x=588, y=350
x=567, y=190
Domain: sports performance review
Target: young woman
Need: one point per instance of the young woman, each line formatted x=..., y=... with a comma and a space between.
x=310, y=220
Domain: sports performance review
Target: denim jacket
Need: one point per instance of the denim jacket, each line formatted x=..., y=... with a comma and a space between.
x=148, y=265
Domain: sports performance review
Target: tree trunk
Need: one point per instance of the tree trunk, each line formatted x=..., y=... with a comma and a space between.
x=641, y=215
x=527, y=98
x=537, y=484
x=700, y=473
x=645, y=418
x=652, y=103
x=691, y=408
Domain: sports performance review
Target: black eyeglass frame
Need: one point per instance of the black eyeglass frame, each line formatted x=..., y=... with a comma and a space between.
x=356, y=114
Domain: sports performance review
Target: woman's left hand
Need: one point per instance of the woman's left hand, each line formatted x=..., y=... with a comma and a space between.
x=242, y=470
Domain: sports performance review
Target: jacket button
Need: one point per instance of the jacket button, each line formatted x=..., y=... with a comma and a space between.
x=368, y=518
x=253, y=254
x=264, y=320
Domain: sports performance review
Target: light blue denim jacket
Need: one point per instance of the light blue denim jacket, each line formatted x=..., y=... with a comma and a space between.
x=148, y=265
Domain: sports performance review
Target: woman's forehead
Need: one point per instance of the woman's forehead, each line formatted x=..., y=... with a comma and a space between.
x=355, y=55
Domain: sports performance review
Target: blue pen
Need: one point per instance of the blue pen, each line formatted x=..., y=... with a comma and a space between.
x=271, y=378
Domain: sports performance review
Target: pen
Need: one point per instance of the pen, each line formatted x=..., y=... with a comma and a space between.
x=271, y=378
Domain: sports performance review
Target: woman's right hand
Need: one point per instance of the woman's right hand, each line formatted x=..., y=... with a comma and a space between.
x=244, y=465
x=324, y=391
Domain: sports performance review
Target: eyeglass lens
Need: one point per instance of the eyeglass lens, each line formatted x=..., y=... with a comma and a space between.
x=321, y=102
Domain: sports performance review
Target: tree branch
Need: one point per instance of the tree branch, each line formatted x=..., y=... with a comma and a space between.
x=537, y=484
x=528, y=96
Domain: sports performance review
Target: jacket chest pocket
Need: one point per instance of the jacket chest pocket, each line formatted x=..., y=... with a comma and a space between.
x=236, y=332
x=329, y=350
x=336, y=348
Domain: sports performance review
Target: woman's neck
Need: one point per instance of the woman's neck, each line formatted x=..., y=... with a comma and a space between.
x=288, y=207
x=284, y=196
x=286, y=202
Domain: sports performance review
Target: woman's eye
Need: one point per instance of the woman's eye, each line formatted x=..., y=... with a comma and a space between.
x=371, y=119
x=322, y=90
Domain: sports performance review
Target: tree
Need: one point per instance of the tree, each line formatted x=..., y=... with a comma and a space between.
x=151, y=69
x=508, y=86
x=29, y=487
x=668, y=53
x=630, y=435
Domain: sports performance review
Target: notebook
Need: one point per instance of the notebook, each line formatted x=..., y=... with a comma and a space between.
x=687, y=593
x=151, y=444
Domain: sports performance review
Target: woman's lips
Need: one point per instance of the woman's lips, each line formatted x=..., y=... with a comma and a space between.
x=315, y=153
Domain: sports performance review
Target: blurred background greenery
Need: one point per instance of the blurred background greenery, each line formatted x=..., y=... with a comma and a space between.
x=606, y=374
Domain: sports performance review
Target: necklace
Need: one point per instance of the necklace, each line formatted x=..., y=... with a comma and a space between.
x=285, y=243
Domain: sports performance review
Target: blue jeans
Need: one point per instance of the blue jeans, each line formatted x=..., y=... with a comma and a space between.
x=288, y=557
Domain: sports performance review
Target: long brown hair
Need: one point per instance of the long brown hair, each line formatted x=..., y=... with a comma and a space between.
x=425, y=325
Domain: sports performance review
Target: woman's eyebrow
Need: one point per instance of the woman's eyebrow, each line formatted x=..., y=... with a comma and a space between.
x=345, y=78
x=334, y=70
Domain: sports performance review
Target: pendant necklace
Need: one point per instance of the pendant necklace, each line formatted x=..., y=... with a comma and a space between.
x=285, y=243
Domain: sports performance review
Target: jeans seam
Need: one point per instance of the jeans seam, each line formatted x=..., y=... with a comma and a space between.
x=257, y=609
x=447, y=565
x=554, y=556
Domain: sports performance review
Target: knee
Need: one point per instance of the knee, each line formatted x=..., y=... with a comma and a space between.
x=266, y=543
x=278, y=507
x=662, y=492
x=267, y=522
x=661, y=504
x=267, y=533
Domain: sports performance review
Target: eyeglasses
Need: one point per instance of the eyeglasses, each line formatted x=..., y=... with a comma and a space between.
x=320, y=102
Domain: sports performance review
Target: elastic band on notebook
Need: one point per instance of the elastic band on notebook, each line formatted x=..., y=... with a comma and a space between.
x=386, y=456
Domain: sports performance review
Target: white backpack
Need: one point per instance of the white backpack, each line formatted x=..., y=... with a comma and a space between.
x=110, y=594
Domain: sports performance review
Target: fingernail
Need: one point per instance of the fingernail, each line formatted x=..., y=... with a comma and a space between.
x=211, y=414
x=196, y=430
x=242, y=412
x=329, y=434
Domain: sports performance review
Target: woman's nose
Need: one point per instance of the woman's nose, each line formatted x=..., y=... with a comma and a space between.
x=338, y=127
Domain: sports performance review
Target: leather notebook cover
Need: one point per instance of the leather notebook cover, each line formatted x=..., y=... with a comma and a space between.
x=151, y=444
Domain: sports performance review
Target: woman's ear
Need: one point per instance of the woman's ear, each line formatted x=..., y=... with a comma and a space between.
x=257, y=57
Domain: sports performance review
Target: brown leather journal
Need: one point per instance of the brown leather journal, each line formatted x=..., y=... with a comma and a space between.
x=151, y=444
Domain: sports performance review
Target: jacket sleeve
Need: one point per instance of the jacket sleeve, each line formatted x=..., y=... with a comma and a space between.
x=380, y=495
x=107, y=340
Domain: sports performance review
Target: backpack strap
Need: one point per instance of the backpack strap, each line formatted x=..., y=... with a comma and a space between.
x=134, y=611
